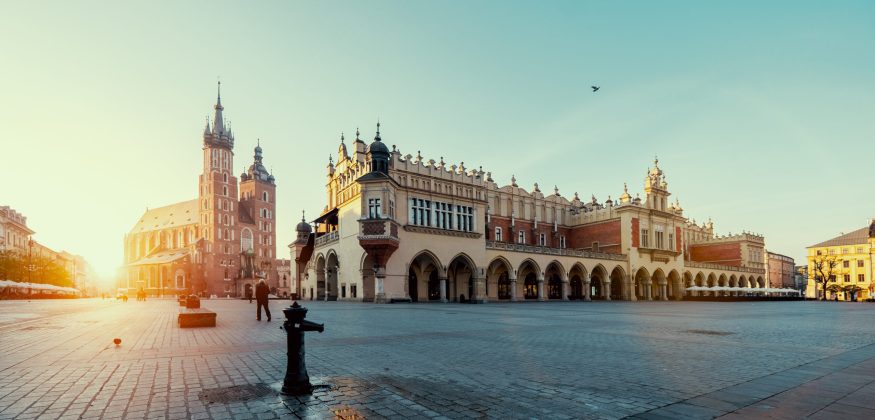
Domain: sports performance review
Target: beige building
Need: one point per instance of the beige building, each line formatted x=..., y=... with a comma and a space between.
x=852, y=256
x=399, y=227
x=14, y=233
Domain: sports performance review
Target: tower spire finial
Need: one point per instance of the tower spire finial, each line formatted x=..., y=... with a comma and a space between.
x=303, y=219
x=377, y=138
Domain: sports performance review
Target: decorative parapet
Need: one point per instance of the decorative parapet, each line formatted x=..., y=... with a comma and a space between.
x=328, y=238
x=377, y=229
x=445, y=232
x=710, y=266
x=531, y=249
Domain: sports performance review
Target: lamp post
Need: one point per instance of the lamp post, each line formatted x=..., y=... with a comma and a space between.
x=30, y=266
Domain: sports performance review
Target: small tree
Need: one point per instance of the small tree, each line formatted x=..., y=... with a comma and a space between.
x=834, y=288
x=822, y=270
x=852, y=289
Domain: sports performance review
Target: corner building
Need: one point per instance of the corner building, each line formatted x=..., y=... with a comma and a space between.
x=402, y=228
x=221, y=242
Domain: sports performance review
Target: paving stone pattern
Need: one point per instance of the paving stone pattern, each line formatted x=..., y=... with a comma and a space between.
x=648, y=360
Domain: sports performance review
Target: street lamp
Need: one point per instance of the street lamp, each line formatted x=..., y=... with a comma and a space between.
x=30, y=266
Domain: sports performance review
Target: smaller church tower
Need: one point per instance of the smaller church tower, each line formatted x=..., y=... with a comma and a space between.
x=378, y=154
x=258, y=201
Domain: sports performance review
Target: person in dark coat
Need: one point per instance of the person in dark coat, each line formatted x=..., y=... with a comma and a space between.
x=261, y=292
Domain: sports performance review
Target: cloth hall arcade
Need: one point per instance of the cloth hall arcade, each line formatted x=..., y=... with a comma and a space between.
x=399, y=227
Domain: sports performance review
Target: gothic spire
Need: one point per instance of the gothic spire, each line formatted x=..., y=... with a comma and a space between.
x=218, y=122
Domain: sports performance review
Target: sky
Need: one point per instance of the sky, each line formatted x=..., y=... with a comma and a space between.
x=761, y=113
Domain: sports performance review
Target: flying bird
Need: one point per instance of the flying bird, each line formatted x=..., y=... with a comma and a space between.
x=595, y=88
x=117, y=341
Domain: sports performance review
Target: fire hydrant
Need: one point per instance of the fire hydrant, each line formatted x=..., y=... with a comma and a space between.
x=297, y=381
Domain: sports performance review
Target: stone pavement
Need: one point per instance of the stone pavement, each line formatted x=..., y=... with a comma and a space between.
x=651, y=360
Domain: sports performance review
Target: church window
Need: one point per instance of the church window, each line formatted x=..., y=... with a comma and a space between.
x=542, y=239
x=246, y=239
x=562, y=241
x=264, y=196
x=498, y=234
x=521, y=238
x=225, y=178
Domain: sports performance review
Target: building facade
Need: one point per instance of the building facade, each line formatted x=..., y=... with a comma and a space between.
x=781, y=271
x=847, y=263
x=14, y=233
x=220, y=243
x=398, y=227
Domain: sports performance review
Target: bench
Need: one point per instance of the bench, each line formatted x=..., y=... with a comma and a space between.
x=196, y=317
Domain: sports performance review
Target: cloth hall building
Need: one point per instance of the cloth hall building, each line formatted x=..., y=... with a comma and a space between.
x=220, y=243
x=400, y=228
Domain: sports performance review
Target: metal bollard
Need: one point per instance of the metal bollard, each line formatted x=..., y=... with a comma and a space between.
x=297, y=381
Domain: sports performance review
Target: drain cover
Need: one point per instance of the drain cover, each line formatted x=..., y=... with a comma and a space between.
x=709, y=332
x=235, y=393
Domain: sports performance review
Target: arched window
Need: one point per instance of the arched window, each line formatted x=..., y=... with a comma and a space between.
x=225, y=187
x=225, y=177
x=264, y=196
x=245, y=239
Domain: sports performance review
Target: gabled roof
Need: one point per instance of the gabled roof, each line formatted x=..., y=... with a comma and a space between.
x=180, y=214
x=859, y=236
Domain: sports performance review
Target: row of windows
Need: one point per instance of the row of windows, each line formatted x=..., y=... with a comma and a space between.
x=847, y=263
x=521, y=238
x=441, y=215
x=833, y=251
x=658, y=237
x=861, y=278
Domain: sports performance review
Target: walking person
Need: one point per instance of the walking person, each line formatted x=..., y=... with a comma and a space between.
x=249, y=294
x=261, y=292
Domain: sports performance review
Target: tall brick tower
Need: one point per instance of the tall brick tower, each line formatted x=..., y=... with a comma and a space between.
x=217, y=205
x=258, y=201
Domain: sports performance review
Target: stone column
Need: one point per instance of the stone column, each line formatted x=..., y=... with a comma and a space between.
x=565, y=289
x=633, y=294
x=379, y=293
x=443, y=286
x=662, y=294
x=540, y=288
x=648, y=291
x=479, y=291
x=606, y=289
x=513, y=296
x=587, y=290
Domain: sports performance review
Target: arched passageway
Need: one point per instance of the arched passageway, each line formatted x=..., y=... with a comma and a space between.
x=332, y=287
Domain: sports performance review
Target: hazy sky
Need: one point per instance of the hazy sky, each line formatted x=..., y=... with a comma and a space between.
x=763, y=116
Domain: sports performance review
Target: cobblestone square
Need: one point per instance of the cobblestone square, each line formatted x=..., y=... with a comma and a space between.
x=653, y=360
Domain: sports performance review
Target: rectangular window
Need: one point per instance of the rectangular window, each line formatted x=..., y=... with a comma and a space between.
x=861, y=278
x=819, y=252
x=832, y=252
x=644, y=238
x=542, y=240
x=498, y=234
x=595, y=247
x=659, y=241
x=353, y=290
x=521, y=238
x=846, y=264
x=860, y=263
x=847, y=278
x=373, y=208
x=562, y=242
x=343, y=291
x=859, y=250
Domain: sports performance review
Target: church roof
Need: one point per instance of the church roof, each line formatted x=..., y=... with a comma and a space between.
x=179, y=214
x=859, y=236
x=161, y=257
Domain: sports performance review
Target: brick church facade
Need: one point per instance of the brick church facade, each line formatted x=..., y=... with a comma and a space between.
x=220, y=243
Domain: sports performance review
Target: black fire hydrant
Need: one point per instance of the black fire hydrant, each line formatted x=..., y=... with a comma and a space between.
x=297, y=381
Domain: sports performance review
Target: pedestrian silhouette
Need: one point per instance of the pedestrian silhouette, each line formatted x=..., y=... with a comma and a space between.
x=261, y=292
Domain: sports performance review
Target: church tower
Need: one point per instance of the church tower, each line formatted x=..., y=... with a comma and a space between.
x=258, y=200
x=218, y=205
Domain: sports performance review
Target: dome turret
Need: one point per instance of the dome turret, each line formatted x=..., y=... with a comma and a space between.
x=378, y=154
